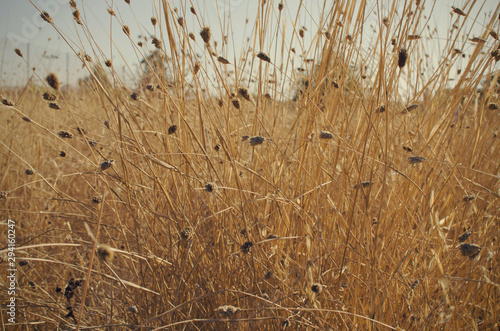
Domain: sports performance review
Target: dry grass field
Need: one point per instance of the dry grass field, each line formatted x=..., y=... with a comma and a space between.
x=324, y=187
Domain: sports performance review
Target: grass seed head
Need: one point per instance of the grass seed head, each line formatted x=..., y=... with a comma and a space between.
x=477, y=40
x=154, y=21
x=361, y=185
x=133, y=309
x=192, y=36
x=458, y=11
x=72, y=3
x=107, y=164
x=209, y=187
x=53, y=81
x=264, y=57
x=105, y=252
x=76, y=16
x=18, y=52
x=244, y=93
x=196, y=68
x=26, y=119
x=126, y=30
x=97, y=199
x=468, y=198
x=325, y=135
x=227, y=310
x=7, y=102
x=493, y=106
x=301, y=33
x=416, y=159
x=54, y=105
x=49, y=96
x=380, y=109
x=222, y=60
x=46, y=17
x=409, y=109
x=65, y=134
x=317, y=288
x=257, y=140
x=280, y=6
x=172, y=129
x=180, y=20
x=236, y=103
x=470, y=250
x=156, y=42
x=186, y=233
x=29, y=172
x=402, y=56
x=463, y=237
x=205, y=34
x=496, y=55
x=246, y=247
x=193, y=10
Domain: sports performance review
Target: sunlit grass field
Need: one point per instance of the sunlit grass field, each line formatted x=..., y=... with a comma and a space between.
x=339, y=184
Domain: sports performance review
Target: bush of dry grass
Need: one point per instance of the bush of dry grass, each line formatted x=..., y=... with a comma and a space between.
x=203, y=201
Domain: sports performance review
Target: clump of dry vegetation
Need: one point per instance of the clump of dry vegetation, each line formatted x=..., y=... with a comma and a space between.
x=351, y=186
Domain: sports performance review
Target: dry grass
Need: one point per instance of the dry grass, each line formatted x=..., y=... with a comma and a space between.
x=207, y=202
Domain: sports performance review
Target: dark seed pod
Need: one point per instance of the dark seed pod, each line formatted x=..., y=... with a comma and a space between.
x=172, y=129
x=416, y=159
x=205, y=34
x=107, y=164
x=325, y=135
x=402, y=56
x=186, y=233
x=96, y=199
x=65, y=134
x=257, y=140
x=470, y=250
x=209, y=187
x=49, y=96
x=317, y=288
x=468, y=198
x=53, y=81
x=246, y=247
x=464, y=236
x=106, y=253
x=54, y=105
x=236, y=103
x=46, y=17
x=244, y=93
x=264, y=57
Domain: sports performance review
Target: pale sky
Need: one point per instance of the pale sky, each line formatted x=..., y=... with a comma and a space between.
x=21, y=25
